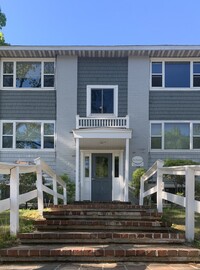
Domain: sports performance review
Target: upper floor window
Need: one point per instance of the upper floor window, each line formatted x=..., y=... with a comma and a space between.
x=175, y=74
x=28, y=74
x=175, y=135
x=27, y=135
x=102, y=100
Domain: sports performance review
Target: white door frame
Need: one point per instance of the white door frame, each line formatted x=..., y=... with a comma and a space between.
x=86, y=182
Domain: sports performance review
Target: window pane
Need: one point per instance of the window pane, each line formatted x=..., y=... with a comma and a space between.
x=48, y=129
x=28, y=74
x=156, y=143
x=196, y=80
x=87, y=166
x=101, y=167
x=48, y=80
x=108, y=101
x=48, y=142
x=156, y=129
x=116, y=166
x=28, y=135
x=196, y=129
x=7, y=128
x=8, y=67
x=196, y=67
x=49, y=68
x=96, y=101
x=156, y=80
x=177, y=136
x=196, y=143
x=7, y=142
x=7, y=80
x=157, y=67
x=177, y=74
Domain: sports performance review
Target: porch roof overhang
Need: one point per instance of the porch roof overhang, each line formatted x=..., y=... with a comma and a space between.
x=100, y=51
x=102, y=133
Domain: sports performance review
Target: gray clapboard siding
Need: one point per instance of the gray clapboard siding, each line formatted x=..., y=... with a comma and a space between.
x=27, y=105
x=13, y=156
x=154, y=156
x=102, y=71
x=174, y=105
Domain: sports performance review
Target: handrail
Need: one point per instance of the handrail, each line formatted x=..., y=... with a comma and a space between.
x=16, y=199
x=189, y=202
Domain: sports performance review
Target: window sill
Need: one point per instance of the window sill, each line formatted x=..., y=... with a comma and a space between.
x=174, y=89
x=28, y=89
x=27, y=150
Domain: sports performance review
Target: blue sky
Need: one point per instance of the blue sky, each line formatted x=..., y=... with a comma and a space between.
x=102, y=22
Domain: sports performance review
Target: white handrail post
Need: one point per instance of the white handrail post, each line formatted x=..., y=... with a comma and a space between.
x=55, y=191
x=14, y=201
x=141, y=191
x=39, y=185
x=189, y=211
x=65, y=194
x=159, y=186
x=77, y=196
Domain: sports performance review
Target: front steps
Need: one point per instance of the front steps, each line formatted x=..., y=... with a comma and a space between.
x=101, y=232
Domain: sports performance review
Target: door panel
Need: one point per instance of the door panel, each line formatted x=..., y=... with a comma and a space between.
x=101, y=177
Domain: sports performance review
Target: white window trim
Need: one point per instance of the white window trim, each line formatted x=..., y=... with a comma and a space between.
x=162, y=136
x=115, y=101
x=41, y=60
x=163, y=60
x=14, y=135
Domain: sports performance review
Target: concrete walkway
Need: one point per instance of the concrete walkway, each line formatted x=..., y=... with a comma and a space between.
x=103, y=266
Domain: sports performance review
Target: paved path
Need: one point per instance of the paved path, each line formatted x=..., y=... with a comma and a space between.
x=103, y=266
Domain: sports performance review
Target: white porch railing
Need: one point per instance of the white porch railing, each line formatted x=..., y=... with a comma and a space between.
x=93, y=122
x=16, y=199
x=189, y=202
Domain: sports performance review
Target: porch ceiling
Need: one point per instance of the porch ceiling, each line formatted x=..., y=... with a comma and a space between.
x=102, y=144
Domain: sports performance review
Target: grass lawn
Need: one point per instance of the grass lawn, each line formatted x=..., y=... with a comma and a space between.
x=26, y=224
x=176, y=215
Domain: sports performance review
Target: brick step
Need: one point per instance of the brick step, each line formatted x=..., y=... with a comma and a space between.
x=104, y=222
x=101, y=224
x=103, y=205
x=100, y=237
x=101, y=212
x=100, y=253
x=101, y=217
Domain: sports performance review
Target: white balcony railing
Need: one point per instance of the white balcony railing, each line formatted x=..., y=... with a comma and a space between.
x=102, y=122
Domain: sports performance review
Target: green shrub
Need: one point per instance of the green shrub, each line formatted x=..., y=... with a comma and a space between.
x=70, y=188
x=136, y=180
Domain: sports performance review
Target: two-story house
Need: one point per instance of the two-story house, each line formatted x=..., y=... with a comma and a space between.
x=96, y=113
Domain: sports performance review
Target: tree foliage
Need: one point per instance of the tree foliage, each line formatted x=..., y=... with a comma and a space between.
x=2, y=24
x=2, y=19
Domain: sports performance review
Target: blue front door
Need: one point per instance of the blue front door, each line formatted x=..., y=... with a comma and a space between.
x=102, y=177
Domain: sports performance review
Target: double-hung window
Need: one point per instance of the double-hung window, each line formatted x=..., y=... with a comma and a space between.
x=28, y=135
x=175, y=74
x=102, y=100
x=28, y=74
x=175, y=135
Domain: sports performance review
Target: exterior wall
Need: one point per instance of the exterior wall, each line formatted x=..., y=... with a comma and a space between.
x=102, y=71
x=153, y=156
x=138, y=108
x=13, y=156
x=174, y=105
x=66, y=114
x=27, y=105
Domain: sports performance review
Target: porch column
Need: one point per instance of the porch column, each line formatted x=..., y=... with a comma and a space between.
x=126, y=171
x=77, y=170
